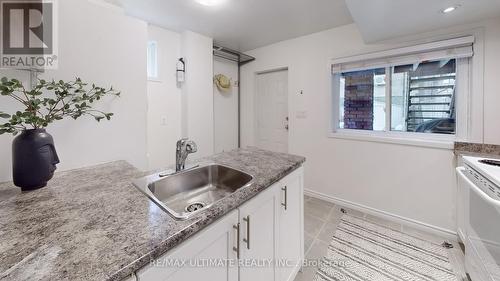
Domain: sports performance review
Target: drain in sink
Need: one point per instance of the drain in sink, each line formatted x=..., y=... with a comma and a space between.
x=194, y=207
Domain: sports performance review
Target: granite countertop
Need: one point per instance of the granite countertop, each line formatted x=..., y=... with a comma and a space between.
x=477, y=149
x=93, y=224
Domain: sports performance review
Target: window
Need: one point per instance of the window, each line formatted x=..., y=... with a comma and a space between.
x=152, y=60
x=423, y=97
x=362, y=100
x=394, y=92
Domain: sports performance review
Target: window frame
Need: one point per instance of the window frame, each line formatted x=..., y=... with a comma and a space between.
x=462, y=105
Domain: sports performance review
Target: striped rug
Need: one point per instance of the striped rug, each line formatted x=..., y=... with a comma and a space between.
x=362, y=250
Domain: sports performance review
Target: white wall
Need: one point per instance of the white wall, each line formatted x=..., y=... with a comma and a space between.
x=164, y=100
x=416, y=183
x=197, y=93
x=492, y=83
x=187, y=108
x=109, y=48
x=102, y=46
x=226, y=107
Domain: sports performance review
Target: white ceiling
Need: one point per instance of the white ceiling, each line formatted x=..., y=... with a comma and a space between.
x=385, y=19
x=242, y=24
x=248, y=24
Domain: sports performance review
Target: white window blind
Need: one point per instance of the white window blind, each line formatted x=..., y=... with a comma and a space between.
x=442, y=50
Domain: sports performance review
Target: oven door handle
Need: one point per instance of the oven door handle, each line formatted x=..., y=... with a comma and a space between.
x=476, y=189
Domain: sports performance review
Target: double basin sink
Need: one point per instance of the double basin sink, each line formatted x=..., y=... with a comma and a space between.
x=183, y=194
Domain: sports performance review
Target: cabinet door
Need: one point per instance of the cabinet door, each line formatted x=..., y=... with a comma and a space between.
x=188, y=262
x=291, y=226
x=258, y=234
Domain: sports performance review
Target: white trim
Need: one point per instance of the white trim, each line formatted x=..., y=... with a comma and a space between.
x=476, y=89
x=334, y=102
x=442, y=232
x=463, y=99
x=402, y=138
x=151, y=79
x=388, y=99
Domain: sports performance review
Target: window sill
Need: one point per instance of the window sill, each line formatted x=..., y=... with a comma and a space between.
x=410, y=139
x=154, y=79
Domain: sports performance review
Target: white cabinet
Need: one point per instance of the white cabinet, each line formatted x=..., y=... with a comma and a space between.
x=271, y=241
x=290, y=242
x=258, y=232
x=189, y=260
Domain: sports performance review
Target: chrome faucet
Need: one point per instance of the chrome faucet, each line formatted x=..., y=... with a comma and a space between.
x=183, y=149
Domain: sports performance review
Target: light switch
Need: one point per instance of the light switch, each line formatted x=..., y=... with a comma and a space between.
x=163, y=121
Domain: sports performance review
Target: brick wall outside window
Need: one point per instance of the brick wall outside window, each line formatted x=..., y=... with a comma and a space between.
x=358, y=103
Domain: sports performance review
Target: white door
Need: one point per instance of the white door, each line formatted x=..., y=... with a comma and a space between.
x=271, y=111
x=291, y=230
x=257, y=243
x=188, y=261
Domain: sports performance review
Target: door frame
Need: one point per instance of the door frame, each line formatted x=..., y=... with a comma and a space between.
x=255, y=115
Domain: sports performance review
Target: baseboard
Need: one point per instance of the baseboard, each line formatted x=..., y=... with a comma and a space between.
x=445, y=233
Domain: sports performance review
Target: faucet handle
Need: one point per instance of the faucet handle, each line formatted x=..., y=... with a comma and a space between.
x=181, y=142
x=191, y=147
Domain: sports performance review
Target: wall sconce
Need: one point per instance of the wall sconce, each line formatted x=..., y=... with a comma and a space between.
x=181, y=70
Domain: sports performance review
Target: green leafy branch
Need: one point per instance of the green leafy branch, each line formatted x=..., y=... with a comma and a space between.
x=51, y=101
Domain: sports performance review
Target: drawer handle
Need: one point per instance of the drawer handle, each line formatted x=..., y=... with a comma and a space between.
x=247, y=240
x=285, y=204
x=237, y=248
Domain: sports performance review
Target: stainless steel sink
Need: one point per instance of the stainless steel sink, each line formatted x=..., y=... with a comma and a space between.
x=186, y=193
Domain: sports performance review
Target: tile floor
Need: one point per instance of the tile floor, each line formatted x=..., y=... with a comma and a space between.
x=320, y=222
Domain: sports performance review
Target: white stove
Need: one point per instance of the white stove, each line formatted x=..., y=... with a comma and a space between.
x=479, y=216
x=487, y=167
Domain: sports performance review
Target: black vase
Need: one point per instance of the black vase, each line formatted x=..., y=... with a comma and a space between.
x=34, y=159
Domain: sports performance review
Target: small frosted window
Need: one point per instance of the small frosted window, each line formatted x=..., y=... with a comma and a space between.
x=152, y=60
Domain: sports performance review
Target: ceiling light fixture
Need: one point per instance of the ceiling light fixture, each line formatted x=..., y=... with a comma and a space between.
x=210, y=3
x=450, y=9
